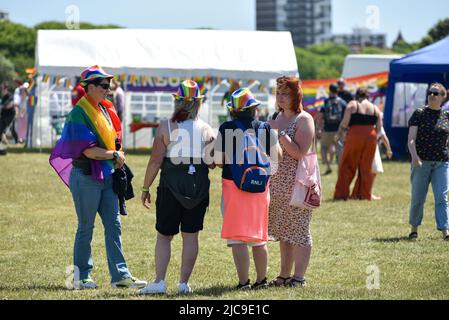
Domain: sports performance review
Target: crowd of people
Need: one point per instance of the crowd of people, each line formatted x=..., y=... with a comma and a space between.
x=258, y=162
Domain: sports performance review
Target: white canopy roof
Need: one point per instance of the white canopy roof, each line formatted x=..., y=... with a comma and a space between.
x=167, y=53
x=361, y=64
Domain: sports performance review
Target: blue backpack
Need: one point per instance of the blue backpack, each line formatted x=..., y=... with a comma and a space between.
x=250, y=166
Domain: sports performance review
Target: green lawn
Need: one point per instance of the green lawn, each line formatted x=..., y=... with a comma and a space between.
x=38, y=224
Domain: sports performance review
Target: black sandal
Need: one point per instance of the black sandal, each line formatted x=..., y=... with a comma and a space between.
x=245, y=286
x=446, y=238
x=413, y=236
x=297, y=283
x=276, y=283
x=263, y=284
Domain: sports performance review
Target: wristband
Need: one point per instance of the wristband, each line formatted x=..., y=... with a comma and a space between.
x=145, y=189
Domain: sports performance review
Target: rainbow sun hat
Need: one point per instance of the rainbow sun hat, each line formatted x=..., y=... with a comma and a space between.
x=92, y=73
x=242, y=99
x=188, y=90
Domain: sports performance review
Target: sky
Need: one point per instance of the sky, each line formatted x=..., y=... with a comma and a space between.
x=413, y=17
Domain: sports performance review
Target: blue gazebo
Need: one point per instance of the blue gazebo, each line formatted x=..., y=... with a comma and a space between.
x=408, y=81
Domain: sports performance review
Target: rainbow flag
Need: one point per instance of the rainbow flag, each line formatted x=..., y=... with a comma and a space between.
x=32, y=94
x=86, y=127
x=32, y=85
x=316, y=106
x=30, y=71
x=316, y=91
x=32, y=100
x=45, y=78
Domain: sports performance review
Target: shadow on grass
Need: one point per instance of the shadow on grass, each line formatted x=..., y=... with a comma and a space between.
x=392, y=240
x=215, y=291
x=218, y=290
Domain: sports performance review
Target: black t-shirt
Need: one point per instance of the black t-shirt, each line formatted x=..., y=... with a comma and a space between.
x=248, y=122
x=346, y=95
x=6, y=99
x=333, y=111
x=433, y=132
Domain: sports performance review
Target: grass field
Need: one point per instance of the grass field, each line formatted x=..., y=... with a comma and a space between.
x=351, y=239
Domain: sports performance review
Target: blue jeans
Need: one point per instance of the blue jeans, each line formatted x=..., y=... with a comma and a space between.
x=436, y=173
x=29, y=137
x=91, y=197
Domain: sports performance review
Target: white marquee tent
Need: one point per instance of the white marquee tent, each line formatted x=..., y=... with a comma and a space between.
x=258, y=55
x=357, y=65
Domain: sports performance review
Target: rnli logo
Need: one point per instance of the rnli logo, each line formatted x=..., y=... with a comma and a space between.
x=256, y=182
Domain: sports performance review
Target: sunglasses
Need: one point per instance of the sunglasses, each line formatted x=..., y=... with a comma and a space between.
x=434, y=93
x=105, y=86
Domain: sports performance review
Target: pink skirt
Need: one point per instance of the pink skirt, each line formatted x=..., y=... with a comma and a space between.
x=245, y=213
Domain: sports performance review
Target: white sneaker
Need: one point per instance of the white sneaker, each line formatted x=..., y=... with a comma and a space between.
x=154, y=288
x=184, y=288
x=131, y=282
x=84, y=284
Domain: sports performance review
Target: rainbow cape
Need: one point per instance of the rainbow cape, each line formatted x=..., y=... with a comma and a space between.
x=86, y=127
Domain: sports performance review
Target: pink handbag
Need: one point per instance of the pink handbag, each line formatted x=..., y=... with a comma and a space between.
x=307, y=190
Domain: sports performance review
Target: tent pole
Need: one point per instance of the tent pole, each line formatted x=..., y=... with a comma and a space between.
x=405, y=104
x=125, y=113
x=40, y=115
x=209, y=97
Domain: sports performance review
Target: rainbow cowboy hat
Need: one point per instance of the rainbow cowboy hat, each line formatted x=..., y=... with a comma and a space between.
x=92, y=73
x=242, y=99
x=188, y=90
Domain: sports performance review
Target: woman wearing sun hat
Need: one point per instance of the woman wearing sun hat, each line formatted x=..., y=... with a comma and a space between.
x=245, y=213
x=180, y=151
x=85, y=158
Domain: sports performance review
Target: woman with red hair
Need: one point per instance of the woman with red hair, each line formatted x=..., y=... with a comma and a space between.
x=287, y=224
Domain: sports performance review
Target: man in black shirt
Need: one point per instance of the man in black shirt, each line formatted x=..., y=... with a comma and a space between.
x=342, y=92
x=328, y=121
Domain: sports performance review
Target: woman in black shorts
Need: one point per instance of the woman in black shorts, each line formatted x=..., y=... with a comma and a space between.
x=180, y=151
